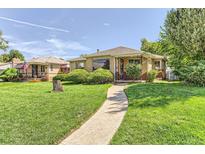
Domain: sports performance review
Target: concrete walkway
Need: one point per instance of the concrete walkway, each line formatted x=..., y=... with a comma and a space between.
x=101, y=127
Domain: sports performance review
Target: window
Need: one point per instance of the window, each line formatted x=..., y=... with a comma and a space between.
x=51, y=67
x=134, y=61
x=80, y=65
x=157, y=64
x=101, y=63
x=42, y=68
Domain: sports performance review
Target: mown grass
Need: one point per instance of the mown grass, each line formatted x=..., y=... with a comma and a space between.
x=31, y=114
x=163, y=113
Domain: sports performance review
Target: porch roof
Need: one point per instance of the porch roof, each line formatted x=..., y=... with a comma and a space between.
x=114, y=52
x=118, y=52
x=124, y=52
x=144, y=54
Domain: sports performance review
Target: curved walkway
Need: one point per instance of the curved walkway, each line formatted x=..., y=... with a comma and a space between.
x=101, y=127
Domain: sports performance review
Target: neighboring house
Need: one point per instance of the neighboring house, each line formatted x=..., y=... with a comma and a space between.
x=4, y=66
x=44, y=68
x=116, y=60
x=12, y=64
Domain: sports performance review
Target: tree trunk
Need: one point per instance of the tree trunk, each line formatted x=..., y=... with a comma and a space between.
x=57, y=86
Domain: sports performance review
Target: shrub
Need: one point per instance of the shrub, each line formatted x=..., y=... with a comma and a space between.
x=151, y=75
x=9, y=74
x=62, y=77
x=100, y=76
x=78, y=76
x=133, y=71
x=193, y=73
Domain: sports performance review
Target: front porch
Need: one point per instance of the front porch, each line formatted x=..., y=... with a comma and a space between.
x=33, y=72
x=146, y=64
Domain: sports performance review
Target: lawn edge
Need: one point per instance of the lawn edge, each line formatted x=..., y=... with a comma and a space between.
x=122, y=118
x=74, y=129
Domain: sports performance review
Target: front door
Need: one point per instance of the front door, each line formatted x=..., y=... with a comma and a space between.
x=34, y=71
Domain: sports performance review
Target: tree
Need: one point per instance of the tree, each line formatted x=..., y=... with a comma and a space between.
x=82, y=55
x=7, y=57
x=152, y=47
x=4, y=58
x=185, y=30
x=3, y=42
x=15, y=54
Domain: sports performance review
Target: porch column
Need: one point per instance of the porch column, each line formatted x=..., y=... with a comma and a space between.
x=149, y=64
x=160, y=64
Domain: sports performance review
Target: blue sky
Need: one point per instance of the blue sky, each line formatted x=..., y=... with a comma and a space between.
x=67, y=33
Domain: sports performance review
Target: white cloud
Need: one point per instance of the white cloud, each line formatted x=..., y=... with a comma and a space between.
x=34, y=25
x=49, y=47
x=106, y=24
x=70, y=45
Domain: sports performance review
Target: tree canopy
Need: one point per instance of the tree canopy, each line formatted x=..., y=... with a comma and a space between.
x=3, y=43
x=15, y=54
x=7, y=57
x=185, y=29
x=182, y=38
x=152, y=47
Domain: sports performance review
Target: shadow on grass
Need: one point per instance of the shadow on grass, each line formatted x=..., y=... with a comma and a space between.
x=69, y=83
x=157, y=94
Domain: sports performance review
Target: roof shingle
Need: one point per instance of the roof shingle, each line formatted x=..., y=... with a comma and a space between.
x=46, y=60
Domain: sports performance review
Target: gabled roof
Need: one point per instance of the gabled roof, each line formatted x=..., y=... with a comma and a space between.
x=114, y=52
x=47, y=60
x=118, y=52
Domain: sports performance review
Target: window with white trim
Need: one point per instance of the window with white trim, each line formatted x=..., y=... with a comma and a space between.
x=101, y=63
x=157, y=64
x=80, y=65
x=134, y=61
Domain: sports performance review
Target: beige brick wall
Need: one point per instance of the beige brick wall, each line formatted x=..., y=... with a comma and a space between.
x=54, y=72
x=149, y=64
x=89, y=64
x=72, y=66
x=144, y=65
x=112, y=67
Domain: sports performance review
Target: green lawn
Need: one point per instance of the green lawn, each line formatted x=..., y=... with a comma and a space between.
x=31, y=114
x=163, y=113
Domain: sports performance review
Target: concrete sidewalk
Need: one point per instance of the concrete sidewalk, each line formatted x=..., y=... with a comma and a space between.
x=101, y=127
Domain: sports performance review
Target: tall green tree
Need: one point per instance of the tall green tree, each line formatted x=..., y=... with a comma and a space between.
x=152, y=47
x=7, y=57
x=4, y=58
x=185, y=30
x=15, y=54
x=3, y=43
